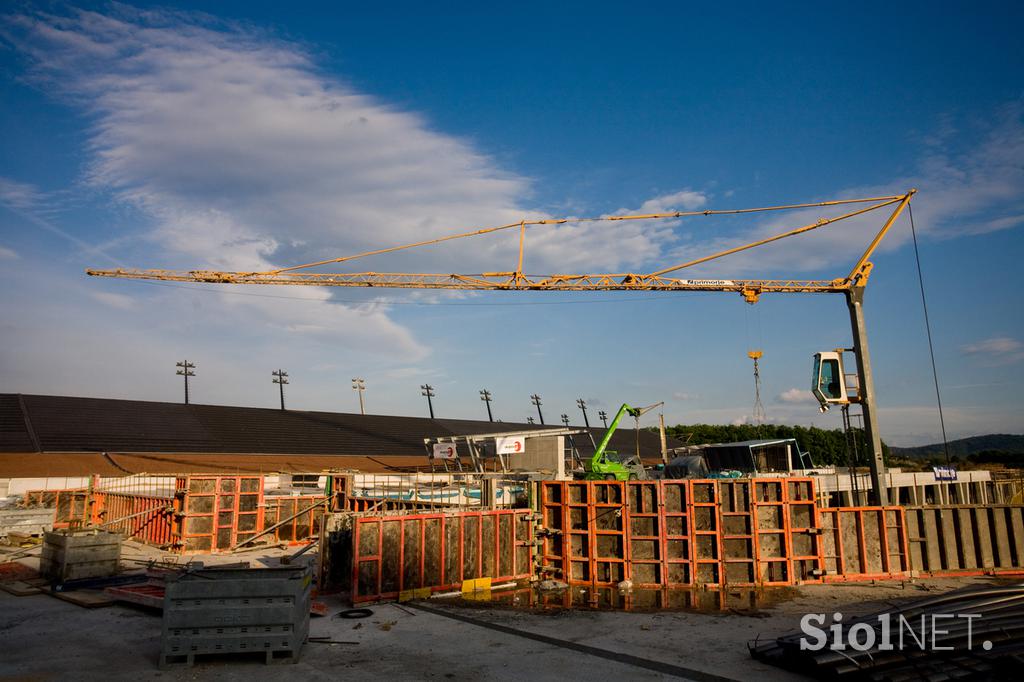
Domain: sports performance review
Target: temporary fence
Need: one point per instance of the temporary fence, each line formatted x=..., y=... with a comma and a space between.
x=432, y=552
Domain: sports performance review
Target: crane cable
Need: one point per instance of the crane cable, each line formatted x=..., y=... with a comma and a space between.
x=928, y=329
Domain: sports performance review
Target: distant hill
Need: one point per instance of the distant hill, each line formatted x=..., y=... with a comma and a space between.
x=965, y=447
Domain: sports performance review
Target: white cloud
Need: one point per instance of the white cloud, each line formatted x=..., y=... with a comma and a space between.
x=245, y=156
x=18, y=195
x=997, y=350
x=682, y=395
x=997, y=345
x=795, y=395
x=8, y=254
x=684, y=200
x=119, y=301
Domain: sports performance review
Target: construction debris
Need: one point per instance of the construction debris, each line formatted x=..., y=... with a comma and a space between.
x=972, y=633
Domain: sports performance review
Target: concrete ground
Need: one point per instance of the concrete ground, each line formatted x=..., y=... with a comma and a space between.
x=45, y=638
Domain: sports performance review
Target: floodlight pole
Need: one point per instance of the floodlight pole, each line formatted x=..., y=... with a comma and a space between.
x=360, y=386
x=185, y=370
x=583, y=406
x=280, y=378
x=485, y=396
x=535, y=399
x=565, y=420
x=428, y=391
x=604, y=417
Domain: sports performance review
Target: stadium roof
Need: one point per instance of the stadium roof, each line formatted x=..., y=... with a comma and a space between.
x=62, y=435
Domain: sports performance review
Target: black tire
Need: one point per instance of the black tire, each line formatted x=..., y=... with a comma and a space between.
x=609, y=477
x=354, y=613
x=632, y=477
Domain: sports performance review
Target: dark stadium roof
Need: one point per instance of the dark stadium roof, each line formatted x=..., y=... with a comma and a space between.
x=63, y=424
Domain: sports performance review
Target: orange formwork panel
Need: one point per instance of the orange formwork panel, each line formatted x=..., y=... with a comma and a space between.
x=300, y=529
x=145, y=518
x=218, y=512
x=680, y=533
x=863, y=543
x=393, y=554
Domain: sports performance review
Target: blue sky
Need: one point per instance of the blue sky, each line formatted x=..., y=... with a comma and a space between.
x=258, y=136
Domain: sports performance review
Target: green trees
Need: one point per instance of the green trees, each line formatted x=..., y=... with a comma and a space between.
x=827, y=446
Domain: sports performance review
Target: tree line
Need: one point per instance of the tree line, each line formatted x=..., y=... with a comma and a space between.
x=826, y=446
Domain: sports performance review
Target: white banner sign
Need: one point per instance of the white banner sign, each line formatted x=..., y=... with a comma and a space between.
x=511, y=445
x=445, y=451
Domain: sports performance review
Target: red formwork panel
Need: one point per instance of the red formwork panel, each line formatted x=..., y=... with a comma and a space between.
x=72, y=508
x=772, y=539
x=705, y=505
x=39, y=498
x=393, y=554
x=676, y=533
x=787, y=547
x=681, y=533
x=645, y=542
x=554, y=521
x=148, y=519
x=302, y=528
x=219, y=512
x=863, y=543
x=598, y=519
x=803, y=527
x=586, y=531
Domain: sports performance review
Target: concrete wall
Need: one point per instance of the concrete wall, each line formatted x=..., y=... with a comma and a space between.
x=545, y=453
x=18, y=486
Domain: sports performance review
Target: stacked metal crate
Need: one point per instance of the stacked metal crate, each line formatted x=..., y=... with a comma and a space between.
x=231, y=611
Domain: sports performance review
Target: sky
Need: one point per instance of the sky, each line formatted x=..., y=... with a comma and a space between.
x=258, y=135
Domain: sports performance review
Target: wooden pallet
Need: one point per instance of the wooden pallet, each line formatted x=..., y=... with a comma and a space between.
x=90, y=599
x=19, y=588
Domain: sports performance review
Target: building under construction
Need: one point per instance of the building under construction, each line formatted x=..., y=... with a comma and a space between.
x=199, y=478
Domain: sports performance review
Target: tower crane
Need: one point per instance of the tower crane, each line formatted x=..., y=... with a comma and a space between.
x=851, y=286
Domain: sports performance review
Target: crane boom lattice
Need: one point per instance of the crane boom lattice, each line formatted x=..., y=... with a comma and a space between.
x=517, y=280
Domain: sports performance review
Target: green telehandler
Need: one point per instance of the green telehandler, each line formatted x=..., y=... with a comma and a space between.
x=608, y=465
